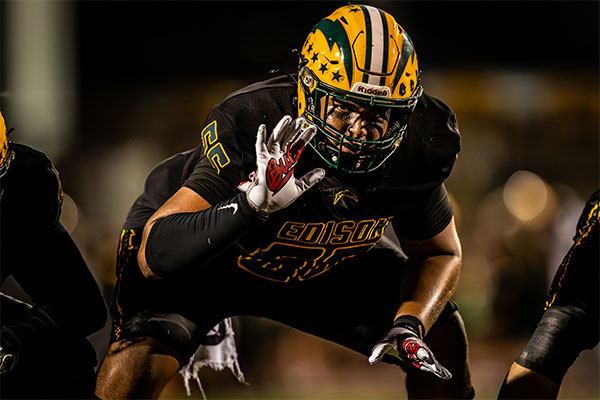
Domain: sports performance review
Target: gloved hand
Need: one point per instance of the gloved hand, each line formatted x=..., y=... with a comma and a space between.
x=274, y=185
x=22, y=334
x=7, y=361
x=405, y=341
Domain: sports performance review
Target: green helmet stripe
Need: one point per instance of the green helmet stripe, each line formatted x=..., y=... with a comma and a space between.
x=408, y=51
x=334, y=32
x=385, y=47
x=369, y=42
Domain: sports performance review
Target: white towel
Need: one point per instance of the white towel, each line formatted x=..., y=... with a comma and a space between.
x=218, y=357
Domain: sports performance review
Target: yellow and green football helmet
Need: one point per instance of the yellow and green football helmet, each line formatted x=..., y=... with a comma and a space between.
x=359, y=54
x=6, y=155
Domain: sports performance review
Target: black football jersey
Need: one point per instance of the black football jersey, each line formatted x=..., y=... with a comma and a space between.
x=37, y=251
x=30, y=204
x=31, y=184
x=344, y=215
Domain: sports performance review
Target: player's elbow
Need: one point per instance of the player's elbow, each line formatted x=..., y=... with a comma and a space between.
x=159, y=260
x=456, y=263
x=144, y=267
x=142, y=255
x=159, y=256
x=456, y=254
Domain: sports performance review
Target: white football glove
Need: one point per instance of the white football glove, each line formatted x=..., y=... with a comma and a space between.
x=274, y=185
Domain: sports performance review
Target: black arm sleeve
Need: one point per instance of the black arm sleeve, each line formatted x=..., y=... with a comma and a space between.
x=186, y=241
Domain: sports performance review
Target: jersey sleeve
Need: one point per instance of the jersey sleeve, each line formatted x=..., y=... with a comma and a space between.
x=430, y=212
x=223, y=164
x=161, y=183
x=429, y=149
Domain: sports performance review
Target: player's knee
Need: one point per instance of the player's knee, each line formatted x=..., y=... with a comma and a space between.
x=138, y=348
x=137, y=367
x=168, y=332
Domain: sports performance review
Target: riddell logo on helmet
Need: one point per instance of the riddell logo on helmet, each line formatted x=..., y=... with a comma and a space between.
x=371, y=90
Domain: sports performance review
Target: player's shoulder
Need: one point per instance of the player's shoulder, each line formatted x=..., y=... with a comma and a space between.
x=32, y=184
x=259, y=103
x=28, y=156
x=31, y=165
x=429, y=149
x=275, y=87
x=434, y=121
x=594, y=198
x=229, y=133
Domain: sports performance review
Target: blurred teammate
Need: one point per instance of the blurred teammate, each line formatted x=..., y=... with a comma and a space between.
x=282, y=218
x=44, y=352
x=570, y=323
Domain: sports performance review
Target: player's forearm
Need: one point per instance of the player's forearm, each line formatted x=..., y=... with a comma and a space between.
x=427, y=286
x=185, y=241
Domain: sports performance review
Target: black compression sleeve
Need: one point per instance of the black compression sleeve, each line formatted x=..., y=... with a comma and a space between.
x=187, y=241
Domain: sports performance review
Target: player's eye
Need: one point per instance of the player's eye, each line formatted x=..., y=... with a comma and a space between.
x=377, y=120
x=342, y=108
x=381, y=122
x=343, y=113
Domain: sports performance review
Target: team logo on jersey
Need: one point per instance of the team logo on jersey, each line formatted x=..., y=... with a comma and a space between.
x=347, y=193
x=304, y=250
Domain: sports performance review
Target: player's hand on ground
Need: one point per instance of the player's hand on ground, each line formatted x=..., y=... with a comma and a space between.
x=406, y=343
x=274, y=185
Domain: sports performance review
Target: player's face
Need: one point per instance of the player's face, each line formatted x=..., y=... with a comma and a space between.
x=355, y=121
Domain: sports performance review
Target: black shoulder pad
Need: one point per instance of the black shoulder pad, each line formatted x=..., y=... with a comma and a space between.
x=32, y=187
x=430, y=147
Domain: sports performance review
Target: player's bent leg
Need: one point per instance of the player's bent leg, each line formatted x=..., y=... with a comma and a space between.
x=448, y=341
x=136, y=368
x=563, y=332
x=524, y=383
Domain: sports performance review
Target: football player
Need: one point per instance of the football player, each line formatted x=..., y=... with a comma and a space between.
x=44, y=352
x=281, y=212
x=570, y=323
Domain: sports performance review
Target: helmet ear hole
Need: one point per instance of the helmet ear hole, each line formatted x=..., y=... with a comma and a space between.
x=307, y=80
